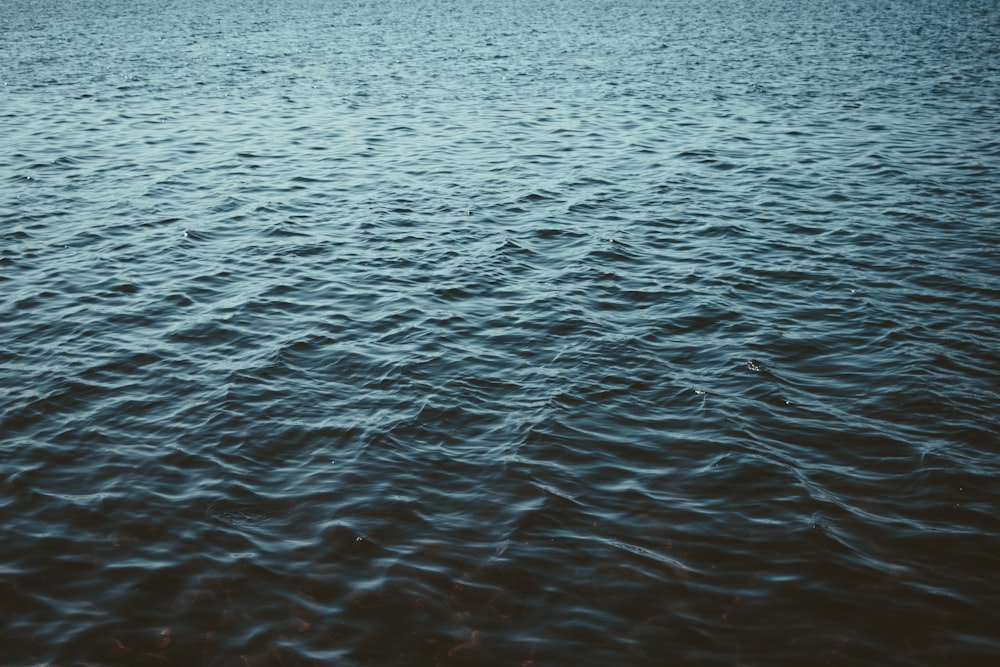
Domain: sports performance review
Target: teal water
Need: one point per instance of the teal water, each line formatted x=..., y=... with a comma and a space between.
x=511, y=333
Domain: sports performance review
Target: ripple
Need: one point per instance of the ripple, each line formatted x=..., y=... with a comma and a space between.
x=636, y=333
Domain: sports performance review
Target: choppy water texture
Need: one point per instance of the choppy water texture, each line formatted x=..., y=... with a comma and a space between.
x=637, y=332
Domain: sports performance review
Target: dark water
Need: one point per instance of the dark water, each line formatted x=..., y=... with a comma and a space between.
x=640, y=332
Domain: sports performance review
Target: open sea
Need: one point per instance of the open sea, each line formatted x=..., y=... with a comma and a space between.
x=500, y=333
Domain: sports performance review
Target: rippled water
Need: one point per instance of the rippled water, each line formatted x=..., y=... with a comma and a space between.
x=501, y=333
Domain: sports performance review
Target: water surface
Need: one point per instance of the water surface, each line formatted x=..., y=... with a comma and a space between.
x=501, y=333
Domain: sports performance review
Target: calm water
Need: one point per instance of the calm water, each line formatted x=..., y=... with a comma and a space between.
x=415, y=332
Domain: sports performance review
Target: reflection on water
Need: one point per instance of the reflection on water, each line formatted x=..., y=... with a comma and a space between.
x=500, y=333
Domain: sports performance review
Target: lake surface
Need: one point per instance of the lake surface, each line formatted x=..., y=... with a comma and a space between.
x=414, y=332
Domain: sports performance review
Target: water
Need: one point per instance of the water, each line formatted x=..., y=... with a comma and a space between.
x=500, y=333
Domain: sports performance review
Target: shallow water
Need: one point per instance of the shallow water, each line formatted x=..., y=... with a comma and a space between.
x=571, y=333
